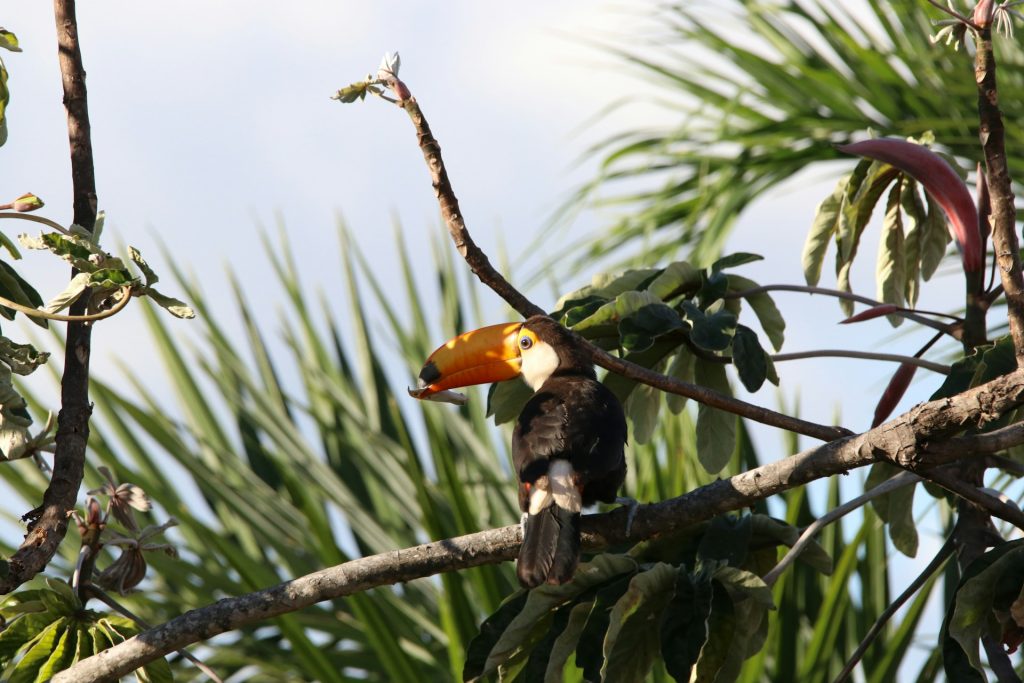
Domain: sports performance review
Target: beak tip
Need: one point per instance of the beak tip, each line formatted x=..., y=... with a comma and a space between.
x=443, y=396
x=429, y=374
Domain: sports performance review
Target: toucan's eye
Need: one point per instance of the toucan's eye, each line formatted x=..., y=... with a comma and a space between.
x=525, y=343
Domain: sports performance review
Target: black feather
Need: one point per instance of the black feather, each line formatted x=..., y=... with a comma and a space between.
x=551, y=547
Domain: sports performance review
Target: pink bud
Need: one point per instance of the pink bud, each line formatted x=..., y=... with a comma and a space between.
x=940, y=181
x=893, y=393
x=27, y=202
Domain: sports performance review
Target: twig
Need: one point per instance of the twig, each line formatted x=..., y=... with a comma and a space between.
x=937, y=562
x=989, y=442
x=954, y=13
x=952, y=481
x=864, y=355
x=952, y=329
x=95, y=592
x=895, y=441
x=899, y=481
x=49, y=522
x=38, y=219
x=126, y=295
x=482, y=268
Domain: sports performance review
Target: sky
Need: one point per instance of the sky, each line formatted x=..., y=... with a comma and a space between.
x=211, y=122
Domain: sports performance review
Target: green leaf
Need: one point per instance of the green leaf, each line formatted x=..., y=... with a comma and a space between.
x=684, y=629
x=638, y=330
x=567, y=641
x=39, y=651
x=590, y=648
x=749, y=358
x=718, y=650
x=173, y=306
x=680, y=368
x=935, y=238
x=677, y=279
x=579, y=309
x=916, y=215
x=505, y=400
x=5, y=97
x=490, y=631
x=642, y=407
x=732, y=260
x=529, y=624
x=857, y=209
x=746, y=584
x=609, y=285
x=21, y=631
x=147, y=272
x=62, y=656
x=612, y=312
x=895, y=508
x=353, y=92
x=15, y=288
x=9, y=41
x=727, y=540
x=716, y=429
x=711, y=330
x=890, y=273
x=631, y=642
x=978, y=597
x=110, y=278
x=767, y=312
x=826, y=221
x=75, y=288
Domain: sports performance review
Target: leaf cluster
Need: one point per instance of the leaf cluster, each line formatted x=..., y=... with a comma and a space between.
x=48, y=629
x=694, y=600
x=678, y=319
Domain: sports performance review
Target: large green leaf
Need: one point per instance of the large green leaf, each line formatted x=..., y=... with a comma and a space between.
x=716, y=429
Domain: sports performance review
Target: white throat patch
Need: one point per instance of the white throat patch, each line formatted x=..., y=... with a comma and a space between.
x=538, y=363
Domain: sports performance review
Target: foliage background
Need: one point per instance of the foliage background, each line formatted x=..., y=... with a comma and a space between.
x=236, y=127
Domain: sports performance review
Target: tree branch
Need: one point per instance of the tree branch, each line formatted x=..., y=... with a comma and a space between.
x=1003, y=216
x=482, y=268
x=899, y=441
x=863, y=355
x=49, y=522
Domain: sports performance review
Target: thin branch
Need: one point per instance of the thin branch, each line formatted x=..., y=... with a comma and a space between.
x=49, y=522
x=896, y=441
x=899, y=481
x=937, y=562
x=864, y=355
x=38, y=219
x=953, y=482
x=952, y=329
x=126, y=295
x=482, y=268
x=954, y=13
x=989, y=442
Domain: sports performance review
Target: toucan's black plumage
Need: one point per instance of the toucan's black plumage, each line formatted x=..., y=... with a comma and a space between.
x=568, y=442
x=568, y=449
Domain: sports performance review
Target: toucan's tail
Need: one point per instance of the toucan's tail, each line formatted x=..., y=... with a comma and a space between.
x=551, y=547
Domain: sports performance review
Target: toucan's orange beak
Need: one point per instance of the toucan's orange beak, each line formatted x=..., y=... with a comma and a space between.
x=489, y=354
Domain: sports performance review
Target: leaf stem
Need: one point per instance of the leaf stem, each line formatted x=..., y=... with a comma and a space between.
x=126, y=294
x=865, y=355
x=38, y=219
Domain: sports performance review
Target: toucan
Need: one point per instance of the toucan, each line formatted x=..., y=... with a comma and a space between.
x=568, y=445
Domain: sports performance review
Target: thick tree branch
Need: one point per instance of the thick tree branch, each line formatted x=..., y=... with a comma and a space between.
x=49, y=522
x=900, y=440
x=487, y=274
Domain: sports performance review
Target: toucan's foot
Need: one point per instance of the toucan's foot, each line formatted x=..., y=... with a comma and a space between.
x=632, y=504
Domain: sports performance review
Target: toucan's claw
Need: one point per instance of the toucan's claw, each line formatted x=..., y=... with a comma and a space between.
x=632, y=504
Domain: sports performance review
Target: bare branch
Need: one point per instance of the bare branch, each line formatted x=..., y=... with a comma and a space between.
x=863, y=355
x=897, y=441
x=49, y=522
x=482, y=268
